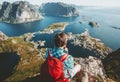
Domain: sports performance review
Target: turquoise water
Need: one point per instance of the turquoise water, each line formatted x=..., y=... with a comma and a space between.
x=106, y=17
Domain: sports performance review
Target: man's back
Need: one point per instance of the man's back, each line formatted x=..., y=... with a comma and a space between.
x=68, y=63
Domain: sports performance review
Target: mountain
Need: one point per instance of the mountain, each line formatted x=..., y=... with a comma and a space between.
x=112, y=65
x=19, y=12
x=58, y=9
x=30, y=57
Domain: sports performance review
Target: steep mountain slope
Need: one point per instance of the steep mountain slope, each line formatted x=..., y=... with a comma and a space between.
x=18, y=12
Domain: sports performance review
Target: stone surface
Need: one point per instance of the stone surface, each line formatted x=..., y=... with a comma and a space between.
x=92, y=70
x=93, y=44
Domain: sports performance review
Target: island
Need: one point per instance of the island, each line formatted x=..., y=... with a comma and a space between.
x=94, y=24
x=54, y=27
x=19, y=12
x=58, y=9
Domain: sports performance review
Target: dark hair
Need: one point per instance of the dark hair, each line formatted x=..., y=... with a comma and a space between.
x=60, y=39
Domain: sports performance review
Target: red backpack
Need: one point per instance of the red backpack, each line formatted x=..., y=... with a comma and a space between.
x=52, y=69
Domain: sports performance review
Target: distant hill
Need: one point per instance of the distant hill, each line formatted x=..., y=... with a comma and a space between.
x=19, y=12
x=58, y=9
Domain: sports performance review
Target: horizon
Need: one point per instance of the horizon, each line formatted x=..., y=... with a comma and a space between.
x=112, y=3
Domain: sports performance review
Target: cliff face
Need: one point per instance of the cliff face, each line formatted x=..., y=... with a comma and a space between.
x=112, y=65
x=18, y=12
x=58, y=9
x=31, y=58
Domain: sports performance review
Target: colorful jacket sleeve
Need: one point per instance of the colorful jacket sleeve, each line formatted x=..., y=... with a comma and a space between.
x=68, y=65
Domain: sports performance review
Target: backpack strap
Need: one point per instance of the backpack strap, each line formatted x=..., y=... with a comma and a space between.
x=64, y=57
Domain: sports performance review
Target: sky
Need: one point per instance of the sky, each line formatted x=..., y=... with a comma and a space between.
x=77, y=2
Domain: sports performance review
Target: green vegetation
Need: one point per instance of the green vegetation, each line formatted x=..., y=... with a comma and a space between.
x=113, y=69
x=57, y=25
x=54, y=27
x=29, y=63
x=112, y=65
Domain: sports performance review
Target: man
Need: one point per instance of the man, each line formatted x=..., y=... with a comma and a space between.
x=60, y=49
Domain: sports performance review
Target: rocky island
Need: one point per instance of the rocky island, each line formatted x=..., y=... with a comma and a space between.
x=54, y=27
x=58, y=9
x=19, y=12
x=94, y=24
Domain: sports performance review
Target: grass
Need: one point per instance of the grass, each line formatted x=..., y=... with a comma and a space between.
x=29, y=63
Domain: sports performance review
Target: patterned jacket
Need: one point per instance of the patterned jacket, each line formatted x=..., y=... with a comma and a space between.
x=68, y=63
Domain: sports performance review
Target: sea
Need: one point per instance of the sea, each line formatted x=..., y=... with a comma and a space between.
x=108, y=31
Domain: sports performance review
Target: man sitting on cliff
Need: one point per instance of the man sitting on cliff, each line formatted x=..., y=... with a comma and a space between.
x=60, y=49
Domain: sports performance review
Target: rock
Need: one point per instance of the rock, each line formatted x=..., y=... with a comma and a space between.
x=19, y=12
x=28, y=36
x=92, y=70
x=94, y=24
x=85, y=78
x=112, y=65
x=93, y=44
x=41, y=43
x=58, y=9
x=3, y=36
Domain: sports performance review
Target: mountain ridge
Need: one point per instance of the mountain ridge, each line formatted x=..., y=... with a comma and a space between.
x=18, y=12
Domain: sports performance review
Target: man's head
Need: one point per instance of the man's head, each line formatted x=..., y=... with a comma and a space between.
x=60, y=40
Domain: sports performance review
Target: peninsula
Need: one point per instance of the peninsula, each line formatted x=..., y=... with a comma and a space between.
x=90, y=43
